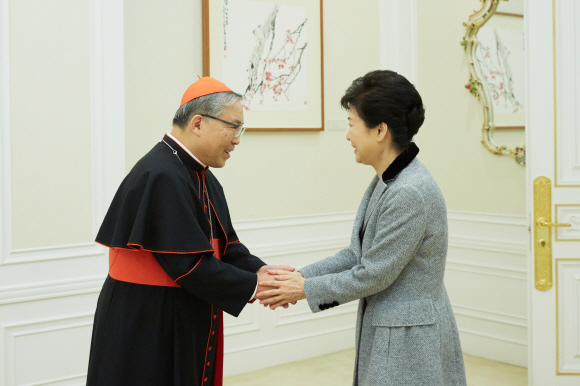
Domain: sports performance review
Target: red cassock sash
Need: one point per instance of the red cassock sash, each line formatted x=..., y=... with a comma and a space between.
x=140, y=267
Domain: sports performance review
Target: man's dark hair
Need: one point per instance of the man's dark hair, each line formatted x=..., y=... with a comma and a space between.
x=211, y=104
x=385, y=96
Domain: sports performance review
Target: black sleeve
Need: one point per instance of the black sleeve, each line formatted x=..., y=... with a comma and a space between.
x=239, y=256
x=211, y=280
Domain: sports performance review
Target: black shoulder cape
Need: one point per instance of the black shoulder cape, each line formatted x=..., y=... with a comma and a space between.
x=158, y=206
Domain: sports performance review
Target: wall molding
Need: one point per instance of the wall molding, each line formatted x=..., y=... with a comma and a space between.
x=319, y=235
x=289, y=339
x=290, y=248
x=251, y=357
x=488, y=245
x=492, y=249
x=490, y=315
x=34, y=255
x=398, y=40
x=107, y=126
x=302, y=220
x=485, y=269
x=308, y=316
x=296, y=234
x=493, y=336
x=80, y=378
x=294, y=230
x=11, y=331
x=51, y=290
x=489, y=218
x=5, y=179
x=248, y=321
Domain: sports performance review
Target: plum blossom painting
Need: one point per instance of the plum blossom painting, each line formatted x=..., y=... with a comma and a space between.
x=500, y=54
x=273, y=58
x=270, y=52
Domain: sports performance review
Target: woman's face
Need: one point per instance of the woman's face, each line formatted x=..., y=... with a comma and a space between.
x=363, y=140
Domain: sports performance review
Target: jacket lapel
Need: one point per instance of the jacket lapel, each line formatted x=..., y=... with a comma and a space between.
x=360, y=217
x=382, y=188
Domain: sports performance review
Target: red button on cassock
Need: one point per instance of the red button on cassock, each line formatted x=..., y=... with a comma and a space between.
x=213, y=332
x=215, y=316
x=208, y=363
x=209, y=348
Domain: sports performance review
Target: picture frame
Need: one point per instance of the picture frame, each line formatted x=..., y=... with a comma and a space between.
x=511, y=8
x=501, y=42
x=270, y=52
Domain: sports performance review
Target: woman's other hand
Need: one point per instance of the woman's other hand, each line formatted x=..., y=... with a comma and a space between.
x=289, y=288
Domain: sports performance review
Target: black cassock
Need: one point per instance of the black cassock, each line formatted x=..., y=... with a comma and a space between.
x=161, y=335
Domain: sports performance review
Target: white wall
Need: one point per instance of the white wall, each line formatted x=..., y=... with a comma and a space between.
x=162, y=58
x=486, y=280
x=60, y=154
x=471, y=178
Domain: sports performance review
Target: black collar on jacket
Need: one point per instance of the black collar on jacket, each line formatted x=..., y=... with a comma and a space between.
x=401, y=162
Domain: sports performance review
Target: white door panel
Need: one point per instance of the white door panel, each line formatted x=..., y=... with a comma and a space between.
x=553, y=139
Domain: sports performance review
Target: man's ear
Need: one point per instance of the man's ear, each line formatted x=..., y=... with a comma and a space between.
x=195, y=124
x=383, y=132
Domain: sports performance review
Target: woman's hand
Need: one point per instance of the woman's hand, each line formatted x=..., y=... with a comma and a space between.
x=289, y=288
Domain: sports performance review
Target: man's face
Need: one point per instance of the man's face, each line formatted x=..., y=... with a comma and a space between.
x=218, y=137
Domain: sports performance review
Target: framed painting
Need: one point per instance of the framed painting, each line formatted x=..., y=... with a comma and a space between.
x=270, y=52
x=501, y=58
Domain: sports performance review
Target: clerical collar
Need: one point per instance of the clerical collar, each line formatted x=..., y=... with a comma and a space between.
x=401, y=162
x=185, y=155
x=186, y=149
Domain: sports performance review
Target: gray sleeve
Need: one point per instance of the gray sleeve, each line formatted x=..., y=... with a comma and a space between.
x=342, y=261
x=400, y=229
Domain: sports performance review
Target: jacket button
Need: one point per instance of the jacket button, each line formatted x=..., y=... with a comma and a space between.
x=335, y=303
x=321, y=307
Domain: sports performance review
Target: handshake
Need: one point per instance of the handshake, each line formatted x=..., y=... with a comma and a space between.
x=279, y=286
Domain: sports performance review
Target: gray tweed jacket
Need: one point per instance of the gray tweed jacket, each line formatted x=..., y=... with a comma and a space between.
x=406, y=332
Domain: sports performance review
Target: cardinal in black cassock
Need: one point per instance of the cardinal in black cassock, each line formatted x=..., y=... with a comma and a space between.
x=175, y=261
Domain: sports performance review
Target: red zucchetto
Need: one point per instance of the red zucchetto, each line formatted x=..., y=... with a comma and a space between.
x=204, y=86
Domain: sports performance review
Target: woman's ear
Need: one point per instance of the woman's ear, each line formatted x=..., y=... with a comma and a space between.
x=383, y=132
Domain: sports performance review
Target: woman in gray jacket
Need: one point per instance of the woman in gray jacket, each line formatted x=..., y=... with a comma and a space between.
x=406, y=332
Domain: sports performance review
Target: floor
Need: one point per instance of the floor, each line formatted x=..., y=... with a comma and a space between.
x=336, y=369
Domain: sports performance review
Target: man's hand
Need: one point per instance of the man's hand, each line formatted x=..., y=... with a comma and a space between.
x=266, y=268
x=288, y=288
x=263, y=275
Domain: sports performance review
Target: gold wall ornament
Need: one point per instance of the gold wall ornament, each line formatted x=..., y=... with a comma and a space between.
x=479, y=88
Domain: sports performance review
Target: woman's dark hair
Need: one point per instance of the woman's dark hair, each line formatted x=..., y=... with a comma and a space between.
x=385, y=96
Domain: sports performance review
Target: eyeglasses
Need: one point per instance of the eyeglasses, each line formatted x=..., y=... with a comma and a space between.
x=239, y=129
